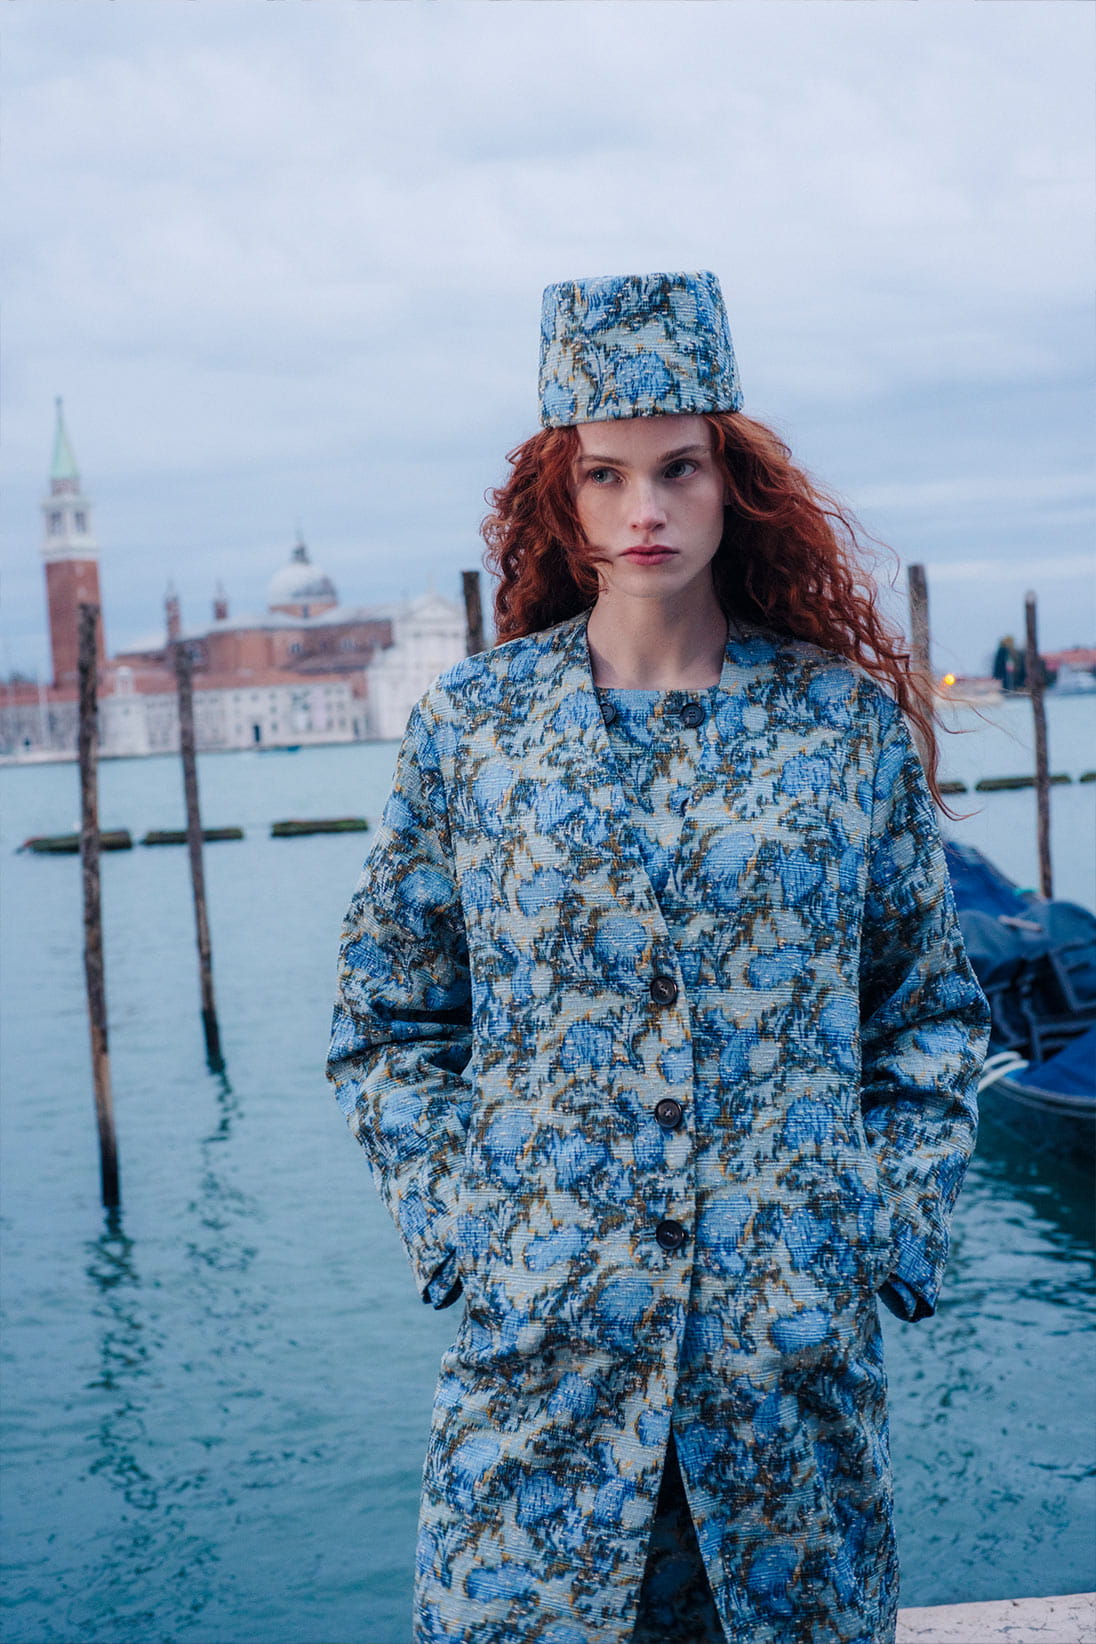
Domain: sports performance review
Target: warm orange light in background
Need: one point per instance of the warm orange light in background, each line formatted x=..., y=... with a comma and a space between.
x=949, y=679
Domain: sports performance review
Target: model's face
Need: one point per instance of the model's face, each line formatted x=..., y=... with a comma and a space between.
x=650, y=499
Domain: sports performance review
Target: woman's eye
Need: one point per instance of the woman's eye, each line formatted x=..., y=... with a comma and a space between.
x=600, y=476
x=679, y=469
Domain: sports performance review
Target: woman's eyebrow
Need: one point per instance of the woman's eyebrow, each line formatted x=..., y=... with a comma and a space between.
x=667, y=456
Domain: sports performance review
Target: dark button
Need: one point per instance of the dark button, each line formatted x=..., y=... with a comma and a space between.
x=608, y=713
x=669, y=1113
x=692, y=714
x=670, y=1235
x=663, y=990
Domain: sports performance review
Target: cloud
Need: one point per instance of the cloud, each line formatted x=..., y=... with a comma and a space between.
x=977, y=490
x=1044, y=568
x=287, y=259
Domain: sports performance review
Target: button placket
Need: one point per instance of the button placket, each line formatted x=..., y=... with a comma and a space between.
x=673, y=729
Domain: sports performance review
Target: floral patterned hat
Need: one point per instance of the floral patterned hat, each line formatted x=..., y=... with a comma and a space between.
x=635, y=345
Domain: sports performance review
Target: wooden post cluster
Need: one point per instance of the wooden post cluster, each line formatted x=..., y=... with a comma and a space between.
x=473, y=608
x=94, y=976
x=1036, y=682
x=184, y=682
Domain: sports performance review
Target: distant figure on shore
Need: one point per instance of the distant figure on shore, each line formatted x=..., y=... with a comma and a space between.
x=1009, y=665
x=655, y=1022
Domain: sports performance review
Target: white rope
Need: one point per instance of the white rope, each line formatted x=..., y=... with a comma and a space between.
x=1000, y=1066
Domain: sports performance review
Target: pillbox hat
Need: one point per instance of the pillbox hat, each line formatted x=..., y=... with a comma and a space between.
x=635, y=345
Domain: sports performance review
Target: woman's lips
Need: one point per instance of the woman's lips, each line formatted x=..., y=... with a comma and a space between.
x=649, y=556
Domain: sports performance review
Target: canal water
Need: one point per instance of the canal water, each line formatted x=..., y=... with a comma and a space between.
x=215, y=1403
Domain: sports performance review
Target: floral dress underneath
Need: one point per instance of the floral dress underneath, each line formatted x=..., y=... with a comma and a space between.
x=655, y=739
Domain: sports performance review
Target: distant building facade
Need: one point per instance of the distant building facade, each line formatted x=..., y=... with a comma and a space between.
x=304, y=670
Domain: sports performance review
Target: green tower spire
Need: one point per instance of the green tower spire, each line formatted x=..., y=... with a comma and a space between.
x=63, y=466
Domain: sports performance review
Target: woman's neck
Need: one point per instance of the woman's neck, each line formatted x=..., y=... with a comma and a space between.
x=650, y=644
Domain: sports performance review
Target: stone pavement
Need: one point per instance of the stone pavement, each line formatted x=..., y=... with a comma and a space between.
x=1070, y=1619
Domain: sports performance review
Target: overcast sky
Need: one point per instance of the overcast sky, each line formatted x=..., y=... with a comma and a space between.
x=283, y=260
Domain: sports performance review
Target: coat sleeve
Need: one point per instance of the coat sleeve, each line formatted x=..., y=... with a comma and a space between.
x=401, y=1035
x=924, y=1024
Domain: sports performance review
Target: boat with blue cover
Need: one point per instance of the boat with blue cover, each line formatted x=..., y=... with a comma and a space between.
x=1036, y=961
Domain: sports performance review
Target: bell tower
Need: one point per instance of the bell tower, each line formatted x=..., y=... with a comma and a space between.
x=71, y=556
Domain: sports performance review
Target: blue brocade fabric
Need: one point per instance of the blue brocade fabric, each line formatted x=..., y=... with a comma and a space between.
x=656, y=755
x=531, y=963
x=635, y=345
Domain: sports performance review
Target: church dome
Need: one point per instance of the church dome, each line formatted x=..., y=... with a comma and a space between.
x=301, y=588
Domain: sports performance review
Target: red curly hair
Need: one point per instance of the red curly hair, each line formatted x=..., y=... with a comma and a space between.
x=791, y=558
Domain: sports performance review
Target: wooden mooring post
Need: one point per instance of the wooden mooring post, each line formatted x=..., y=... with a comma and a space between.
x=473, y=609
x=920, y=644
x=920, y=637
x=94, y=975
x=185, y=686
x=1036, y=683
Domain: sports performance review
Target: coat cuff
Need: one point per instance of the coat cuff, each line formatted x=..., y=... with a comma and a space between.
x=444, y=1286
x=427, y=1227
x=903, y=1302
x=913, y=1283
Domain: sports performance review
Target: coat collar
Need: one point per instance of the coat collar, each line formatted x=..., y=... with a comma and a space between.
x=564, y=667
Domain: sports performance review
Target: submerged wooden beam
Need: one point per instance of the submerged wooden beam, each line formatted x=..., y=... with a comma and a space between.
x=334, y=824
x=178, y=836
x=68, y=844
x=1003, y=784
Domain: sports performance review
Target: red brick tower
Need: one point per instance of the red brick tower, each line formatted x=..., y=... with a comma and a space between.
x=71, y=555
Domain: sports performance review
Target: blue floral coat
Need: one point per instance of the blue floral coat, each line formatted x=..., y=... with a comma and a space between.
x=512, y=1010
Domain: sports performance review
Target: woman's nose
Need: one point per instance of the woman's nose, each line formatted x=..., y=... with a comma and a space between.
x=647, y=509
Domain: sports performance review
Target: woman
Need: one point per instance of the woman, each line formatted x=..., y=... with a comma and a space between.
x=655, y=1022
